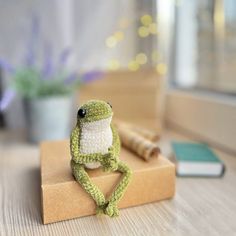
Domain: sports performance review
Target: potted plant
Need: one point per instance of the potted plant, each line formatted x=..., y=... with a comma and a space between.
x=47, y=91
x=47, y=100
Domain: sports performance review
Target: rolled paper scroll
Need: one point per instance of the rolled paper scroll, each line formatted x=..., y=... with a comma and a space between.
x=137, y=143
x=146, y=133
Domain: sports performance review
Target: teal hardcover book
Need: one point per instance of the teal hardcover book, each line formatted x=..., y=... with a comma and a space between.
x=196, y=159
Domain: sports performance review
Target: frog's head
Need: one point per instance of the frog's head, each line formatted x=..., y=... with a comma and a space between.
x=94, y=110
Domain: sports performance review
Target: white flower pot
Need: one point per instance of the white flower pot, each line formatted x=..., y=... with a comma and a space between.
x=48, y=118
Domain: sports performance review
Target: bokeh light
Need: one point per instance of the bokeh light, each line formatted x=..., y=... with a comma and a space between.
x=111, y=42
x=141, y=58
x=146, y=20
x=133, y=66
x=156, y=56
x=123, y=23
x=119, y=35
x=161, y=68
x=113, y=65
x=143, y=31
x=152, y=28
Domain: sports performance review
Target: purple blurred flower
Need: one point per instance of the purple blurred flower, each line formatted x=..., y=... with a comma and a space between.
x=6, y=99
x=64, y=56
x=86, y=78
x=48, y=63
x=91, y=76
x=30, y=58
x=34, y=35
x=6, y=66
x=71, y=78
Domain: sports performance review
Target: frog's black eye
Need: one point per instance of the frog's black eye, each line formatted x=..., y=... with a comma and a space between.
x=81, y=113
x=109, y=104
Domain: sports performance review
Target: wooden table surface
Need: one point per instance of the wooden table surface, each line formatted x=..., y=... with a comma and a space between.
x=201, y=206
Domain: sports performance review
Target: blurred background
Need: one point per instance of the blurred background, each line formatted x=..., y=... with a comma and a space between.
x=160, y=63
x=167, y=67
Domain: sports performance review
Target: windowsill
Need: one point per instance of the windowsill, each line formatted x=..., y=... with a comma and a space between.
x=208, y=116
x=206, y=95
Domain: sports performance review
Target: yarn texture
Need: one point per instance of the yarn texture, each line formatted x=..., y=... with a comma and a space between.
x=95, y=143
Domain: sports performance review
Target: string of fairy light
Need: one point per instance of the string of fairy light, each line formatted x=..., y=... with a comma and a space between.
x=148, y=27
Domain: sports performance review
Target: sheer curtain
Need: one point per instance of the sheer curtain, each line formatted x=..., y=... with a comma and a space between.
x=87, y=27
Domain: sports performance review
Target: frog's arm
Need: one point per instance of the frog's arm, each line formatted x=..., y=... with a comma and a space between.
x=116, y=141
x=110, y=160
x=78, y=157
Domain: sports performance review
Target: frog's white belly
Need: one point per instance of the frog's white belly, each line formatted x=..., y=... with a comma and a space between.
x=96, y=137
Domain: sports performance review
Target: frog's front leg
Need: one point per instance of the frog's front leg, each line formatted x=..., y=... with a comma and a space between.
x=82, y=177
x=112, y=209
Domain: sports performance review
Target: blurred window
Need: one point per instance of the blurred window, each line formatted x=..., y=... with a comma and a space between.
x=204, y=52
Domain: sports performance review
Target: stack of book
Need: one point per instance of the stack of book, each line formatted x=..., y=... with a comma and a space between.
x=196, y=159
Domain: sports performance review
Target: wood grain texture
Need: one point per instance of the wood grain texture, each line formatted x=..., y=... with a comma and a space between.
x=201, y=206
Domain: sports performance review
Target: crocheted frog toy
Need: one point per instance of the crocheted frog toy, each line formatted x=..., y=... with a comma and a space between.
x=95, y=143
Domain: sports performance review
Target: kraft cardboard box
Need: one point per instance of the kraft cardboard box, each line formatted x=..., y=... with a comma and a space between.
x=63, y=198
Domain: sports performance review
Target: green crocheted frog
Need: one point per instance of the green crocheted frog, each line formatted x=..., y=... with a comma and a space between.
x=95, y=143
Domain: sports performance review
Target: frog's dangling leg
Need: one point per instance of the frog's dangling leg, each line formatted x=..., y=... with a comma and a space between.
x=83, y=178
x=112, y=209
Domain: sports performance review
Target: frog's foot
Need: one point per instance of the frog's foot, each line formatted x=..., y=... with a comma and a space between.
x=112, y=210
x=100, y=210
